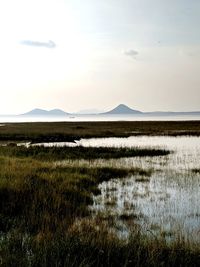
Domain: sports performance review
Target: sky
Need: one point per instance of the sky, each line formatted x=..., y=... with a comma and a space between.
x=75, y=55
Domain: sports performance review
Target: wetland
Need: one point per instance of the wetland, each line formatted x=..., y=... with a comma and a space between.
x=100, y=194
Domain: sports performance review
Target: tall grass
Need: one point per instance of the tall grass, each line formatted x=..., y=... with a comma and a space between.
x=45, y=221
x=79, y=152
x=40, y=197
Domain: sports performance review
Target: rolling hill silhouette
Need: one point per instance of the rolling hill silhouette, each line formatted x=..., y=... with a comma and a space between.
x=43, y=112
x=122, y=109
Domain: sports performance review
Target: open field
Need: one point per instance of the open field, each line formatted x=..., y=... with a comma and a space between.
x=70, y=131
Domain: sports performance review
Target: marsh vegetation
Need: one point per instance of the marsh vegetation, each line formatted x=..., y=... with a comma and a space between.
x=102, y=202
x=70, y=131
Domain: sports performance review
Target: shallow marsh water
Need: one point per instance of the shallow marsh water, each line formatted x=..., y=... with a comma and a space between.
x=168, y=201
x=165, y=202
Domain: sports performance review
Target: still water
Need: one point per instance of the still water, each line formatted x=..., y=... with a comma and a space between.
x=76, y=118
x=168, y=200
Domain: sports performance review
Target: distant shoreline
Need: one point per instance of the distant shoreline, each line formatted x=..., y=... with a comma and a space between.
x=82, y=118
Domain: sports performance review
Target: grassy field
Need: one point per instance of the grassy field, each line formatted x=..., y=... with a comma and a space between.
x=70, y=131
x=44, y=214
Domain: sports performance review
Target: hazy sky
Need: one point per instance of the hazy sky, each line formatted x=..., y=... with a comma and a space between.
x=80, y=54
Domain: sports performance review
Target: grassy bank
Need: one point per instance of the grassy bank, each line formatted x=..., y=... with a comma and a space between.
x=91, y=247
x=79, y=152
x=69, y=131
x=37, y=196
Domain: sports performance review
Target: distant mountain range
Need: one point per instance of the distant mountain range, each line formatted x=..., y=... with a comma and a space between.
x=43, y=112
x=119, y=110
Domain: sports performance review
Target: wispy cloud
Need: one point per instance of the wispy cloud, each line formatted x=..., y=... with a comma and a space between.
x=49, y=44
x=131, y=53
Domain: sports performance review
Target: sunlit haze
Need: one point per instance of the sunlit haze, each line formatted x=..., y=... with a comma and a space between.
x=75, y=55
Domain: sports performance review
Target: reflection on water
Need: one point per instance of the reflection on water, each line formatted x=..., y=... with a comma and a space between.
x=53, y=144
x=167, y=201
x=186, y=151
